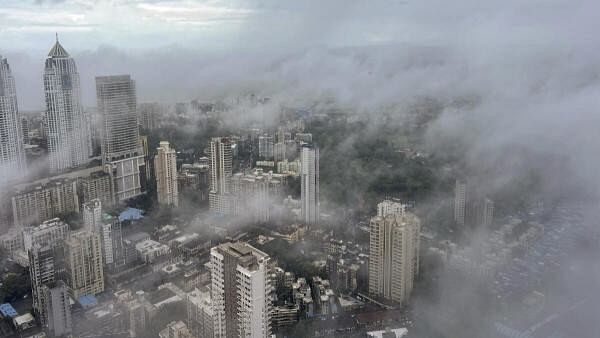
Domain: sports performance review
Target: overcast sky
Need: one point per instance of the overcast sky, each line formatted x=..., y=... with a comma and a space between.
x=178, y=50
x=231, y=24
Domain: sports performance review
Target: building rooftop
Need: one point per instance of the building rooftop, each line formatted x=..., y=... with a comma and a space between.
x=87, y=301
x=23, y=319
x=7, y=310
x=388, y=333
x=131, y=214
x=137, y=237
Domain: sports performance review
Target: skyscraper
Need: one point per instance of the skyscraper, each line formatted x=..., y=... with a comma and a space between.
x=393, y=256
x=69, y=144
x=241, y=291
x=221, y=162
x=57, y=308
x=12, y=152
x=460, y=202
x=84, y=264
x=122, y=154
x=165, y=166
x=309, y=175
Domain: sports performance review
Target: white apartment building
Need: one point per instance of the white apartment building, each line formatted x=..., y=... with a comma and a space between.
x=221, y=162
x=393, y=256
x=165, y=168
x=309, y=174
x=240, y=272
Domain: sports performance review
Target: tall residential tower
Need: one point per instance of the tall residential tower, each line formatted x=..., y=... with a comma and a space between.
x=241, y=291
x=69, y=143
x=12, y=152
x=393, y=255
x=221, y=163
x=309, y=175
x=460, y=202
x=84, y=264
x=165, y=167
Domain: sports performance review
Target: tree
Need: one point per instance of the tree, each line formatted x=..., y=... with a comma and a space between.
x=15, y=286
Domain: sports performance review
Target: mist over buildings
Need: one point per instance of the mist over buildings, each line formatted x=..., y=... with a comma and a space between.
x=514, y=87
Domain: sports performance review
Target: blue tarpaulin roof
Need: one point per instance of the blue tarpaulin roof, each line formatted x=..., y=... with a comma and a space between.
x=7, y=310
x=131, y=214
x=87, y=300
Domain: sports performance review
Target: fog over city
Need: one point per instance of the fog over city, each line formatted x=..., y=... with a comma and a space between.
x=406, y=100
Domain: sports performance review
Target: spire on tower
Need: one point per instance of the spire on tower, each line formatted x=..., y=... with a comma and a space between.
x=58, y=50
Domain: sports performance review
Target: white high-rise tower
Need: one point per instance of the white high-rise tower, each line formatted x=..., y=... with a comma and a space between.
x=393, y=255
x=460, y=202
x=309, y=175
x=221, y=162
x=165, y=167
x=241, y=291
x=69, y=143
x=12, y=153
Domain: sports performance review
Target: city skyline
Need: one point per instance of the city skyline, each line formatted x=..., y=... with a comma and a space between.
x=228, y=168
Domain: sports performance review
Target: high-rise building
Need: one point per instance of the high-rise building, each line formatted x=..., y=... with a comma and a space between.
x=109, y=229
x=25, y=129
x=253, y=194
x=44, y=269
x=69, y=144
x=51, y=232
x=149, y=114
x=279, y=152
x=57, y=311
x=390, y=207
x=265, y=147
x=165, y=166
x=200, y=313
x=122, y=154
x=480, y=212
x=303, y=137
x=12, y=151
x=221, y=162
x=98, y=185
x=460, y=202
x=393, y=256
x=39, y=202
x=92, y=215
x=111, y=236
x=241, y=291
x=309, y=175
x=487, y=212
x=84, y=264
